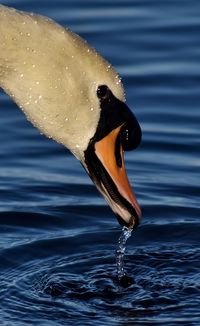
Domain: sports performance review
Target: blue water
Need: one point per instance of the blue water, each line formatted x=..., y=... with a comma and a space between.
x=58, y=237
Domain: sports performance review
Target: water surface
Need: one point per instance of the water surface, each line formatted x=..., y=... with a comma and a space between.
x=58, y=237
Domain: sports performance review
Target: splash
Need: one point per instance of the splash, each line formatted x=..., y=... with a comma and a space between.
x=120, y=252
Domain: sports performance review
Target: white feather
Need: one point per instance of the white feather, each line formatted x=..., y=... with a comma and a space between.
x=53, y=75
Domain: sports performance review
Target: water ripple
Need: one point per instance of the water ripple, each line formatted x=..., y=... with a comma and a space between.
x=58, y=237
x=84, y=284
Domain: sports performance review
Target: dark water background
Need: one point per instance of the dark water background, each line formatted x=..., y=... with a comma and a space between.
x=58, y=237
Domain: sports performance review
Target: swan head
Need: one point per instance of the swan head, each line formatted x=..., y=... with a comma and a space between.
x=117, y=131
x=71, y=94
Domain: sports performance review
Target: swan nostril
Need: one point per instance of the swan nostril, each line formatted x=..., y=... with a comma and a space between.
x=118, y=151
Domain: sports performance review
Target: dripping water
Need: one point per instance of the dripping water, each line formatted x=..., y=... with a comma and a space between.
x=123, y=279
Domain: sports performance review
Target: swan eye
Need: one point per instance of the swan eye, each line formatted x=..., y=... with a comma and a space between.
x=102, y=92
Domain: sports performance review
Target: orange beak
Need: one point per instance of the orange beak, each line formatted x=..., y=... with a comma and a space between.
x=119, y=195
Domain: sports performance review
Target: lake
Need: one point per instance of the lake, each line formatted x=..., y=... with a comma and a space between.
x=58, y=236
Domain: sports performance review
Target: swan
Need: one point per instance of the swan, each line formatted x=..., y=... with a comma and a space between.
x=74, y=96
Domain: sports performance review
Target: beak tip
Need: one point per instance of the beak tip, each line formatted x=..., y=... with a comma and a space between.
x=132, y=223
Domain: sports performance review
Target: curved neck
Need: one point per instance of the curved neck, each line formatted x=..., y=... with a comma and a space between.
x=53, y=74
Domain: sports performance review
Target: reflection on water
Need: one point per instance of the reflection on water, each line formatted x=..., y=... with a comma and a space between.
x=58, y=237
